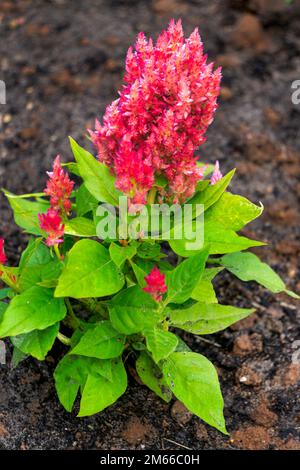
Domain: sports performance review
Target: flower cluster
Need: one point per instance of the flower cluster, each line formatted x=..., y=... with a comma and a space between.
x=156, y=284
x=160, y=119
x=59, y=188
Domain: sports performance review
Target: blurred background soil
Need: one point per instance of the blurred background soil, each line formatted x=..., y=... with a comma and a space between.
x=62, y=62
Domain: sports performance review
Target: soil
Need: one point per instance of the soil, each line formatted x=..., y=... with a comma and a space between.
x=62, y=63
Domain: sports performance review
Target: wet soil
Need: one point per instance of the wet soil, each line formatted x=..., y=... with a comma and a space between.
x=62, y=63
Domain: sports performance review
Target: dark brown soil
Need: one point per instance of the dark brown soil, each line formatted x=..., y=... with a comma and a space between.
x=62, y=62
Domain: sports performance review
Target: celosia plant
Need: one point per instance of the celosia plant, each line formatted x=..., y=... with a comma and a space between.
x=112, y=298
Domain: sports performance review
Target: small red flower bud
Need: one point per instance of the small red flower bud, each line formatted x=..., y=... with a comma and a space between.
x=2, y=253
x=51, y=223
x=156, y=284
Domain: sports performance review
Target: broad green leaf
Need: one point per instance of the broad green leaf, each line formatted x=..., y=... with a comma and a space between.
x=160, y=343
x=17, y=357
x=85, y=201
x=119, y=254
x=133, y=310
x=101, y=341
x=139, y=273
x=203, y=319
x=183, y=279
x=232, y=211
x=248, y=267
x=34, y=309
x=37, y=265
x=80, y=227
x=72, y=372
x=99, y=393
x=26, y=213
x=72, y=167
x=152, y=376
x=194, y=381
x=221, y=240
x=204, y=290
x=3, y=307
x=5, y=292
x=89, y=272
x=147, y=250
x=96, y=176
x=218, y=239
x=37, y=343
x=213, y=192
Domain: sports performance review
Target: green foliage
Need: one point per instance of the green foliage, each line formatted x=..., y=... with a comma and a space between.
x=96, y=176
x=194, y=381
x=90, y=294
x=89, y=272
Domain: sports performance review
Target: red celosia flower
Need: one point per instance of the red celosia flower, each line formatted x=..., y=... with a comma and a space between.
x=59, y=188
x=161, y=116
x=156, y=284
x=51, y=223
x=2, y=254
x=217, y=175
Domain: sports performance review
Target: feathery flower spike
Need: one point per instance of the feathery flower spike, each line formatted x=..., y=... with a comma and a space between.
x=167, y=103
x=59, y=188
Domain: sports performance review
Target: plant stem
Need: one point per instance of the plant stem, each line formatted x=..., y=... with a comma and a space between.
x=94, y=307
x=63, y=339
x=57, y=252
x=214, y=261
x=72, y=320
x=179, y=259
x=151, y=196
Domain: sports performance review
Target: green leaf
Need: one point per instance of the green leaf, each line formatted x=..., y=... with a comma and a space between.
x=3, y=307
x=37, y=343
x=96, y=176
x=37, y=265
x=152, y=376
x=194, y=381
x=89, y=272
x=160, y=343
x=204, y=289
x=133, y=310
x=221, y=240
x=5, y=292
x=72, y=373
x=17, y=357
x=203, y=319
x=119, y=254
x=213, y=192
x=72, y=167
x=147, y=250
x=85, y=201
x=80, y=227
x=183, y=279
x=101, y=341
x=99, y=393
x=232, y=212
x=139, y=274
x=248, y=267
x=34, y=309
x=218, y=239
x=26, y=212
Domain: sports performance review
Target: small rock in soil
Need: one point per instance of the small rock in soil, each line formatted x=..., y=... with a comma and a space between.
x=247, y=376
x=180, y=413
x=249, y=34
x=247, y=344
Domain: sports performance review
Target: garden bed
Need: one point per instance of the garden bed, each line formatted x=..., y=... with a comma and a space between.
x=62, y=63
